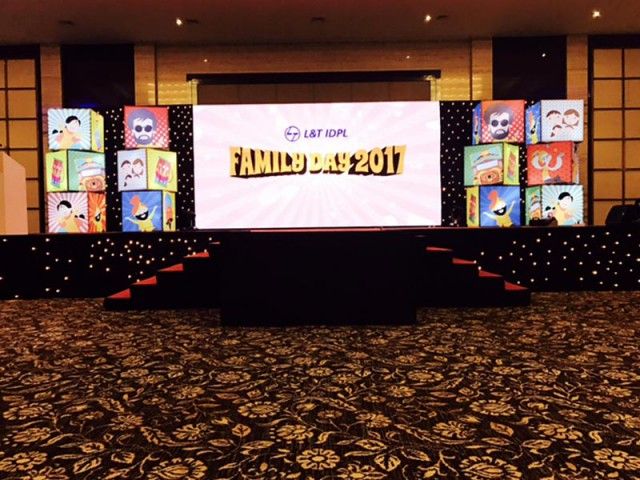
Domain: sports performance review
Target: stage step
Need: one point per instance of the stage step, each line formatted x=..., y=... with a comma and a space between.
x=449, y=281
x=443, y=280
x=183, y=285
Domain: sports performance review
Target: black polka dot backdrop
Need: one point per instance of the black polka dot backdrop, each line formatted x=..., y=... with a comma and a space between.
x=181, y=142
x=113, y=141
x=455, y=134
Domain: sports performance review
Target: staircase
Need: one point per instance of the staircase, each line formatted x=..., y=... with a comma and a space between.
x=443, y=280
x=447, y=281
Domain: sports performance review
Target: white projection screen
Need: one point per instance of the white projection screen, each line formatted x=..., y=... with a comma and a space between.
x=368, y=164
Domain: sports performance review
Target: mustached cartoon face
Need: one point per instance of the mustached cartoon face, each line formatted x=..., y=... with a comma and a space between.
x=143, y=130
x=499, y=125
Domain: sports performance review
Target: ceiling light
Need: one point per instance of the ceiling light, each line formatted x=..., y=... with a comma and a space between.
x=179, y=21
x=544, y=54
x=596, y=14
x=427, y=18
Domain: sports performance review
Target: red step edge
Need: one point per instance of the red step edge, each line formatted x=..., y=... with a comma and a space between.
x=460, y=261
x=178, y=267
x=512, y=287
x=151, y=281
x=123, y=295
x=485, y=274
x=198, y=255
x=438, y=250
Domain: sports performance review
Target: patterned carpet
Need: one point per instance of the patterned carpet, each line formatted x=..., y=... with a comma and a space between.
x=545, y=392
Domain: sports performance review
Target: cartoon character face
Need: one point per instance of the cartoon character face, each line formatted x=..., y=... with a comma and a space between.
x=72, y=124
x=163, y=172
x=137, y=168
x=565, y=200
x=143, y=125
x=65, y=210
x=499, y=118
x=571, y=118
x=499, y=124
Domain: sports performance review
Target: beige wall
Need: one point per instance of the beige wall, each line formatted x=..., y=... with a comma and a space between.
x=161, y=71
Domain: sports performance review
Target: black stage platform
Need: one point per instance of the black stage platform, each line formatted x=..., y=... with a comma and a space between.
x=543, y=259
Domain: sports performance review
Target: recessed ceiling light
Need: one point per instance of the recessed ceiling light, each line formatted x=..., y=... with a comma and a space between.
x=427, y=18
x=179, y=21
x=596, y=14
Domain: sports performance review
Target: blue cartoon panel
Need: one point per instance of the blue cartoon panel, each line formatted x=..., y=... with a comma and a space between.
x=499, y=206
x=564, y=203
x=69, y=128
x=476, y=122
x=141, y=211
x=533, y=124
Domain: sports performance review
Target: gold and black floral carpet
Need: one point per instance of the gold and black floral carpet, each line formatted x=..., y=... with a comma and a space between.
x=549, y=391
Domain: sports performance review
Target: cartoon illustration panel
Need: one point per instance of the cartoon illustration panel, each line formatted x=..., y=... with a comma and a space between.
x=56, y=176
x=97, y=212
x=503, y=121
x=511, y=160
x=483, y=165
x=86, y=171
x=564, y=203
x=69, y=128
x=132, y=170
x=169, y=211
x=476, y=123
x=533, y=204
x=67, y=212
x=162, y=170
x=141, y=211
x=562, y=120
x=146, y=127
x=499, y=206
x=473, y=207
x=533, y=124
x=97, y=132
x=550, y=163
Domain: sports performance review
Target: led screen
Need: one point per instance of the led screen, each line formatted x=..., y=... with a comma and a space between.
x=317, y=165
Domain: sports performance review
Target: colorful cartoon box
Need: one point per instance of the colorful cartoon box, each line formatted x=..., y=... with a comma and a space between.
x=146, y=127
x=491, y=164
x=75, y=129
x=56, y=172
x=67, y=212
x=148, y=211
x=555, y=121
x=86, y=171
x=498, y=121
x=97, y=210
x=533, y=204
x=493, y=206
x=550, y=163
x=147, y=169
x=563, y=203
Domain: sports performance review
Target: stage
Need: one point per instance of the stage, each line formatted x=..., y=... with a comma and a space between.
x=542, y=259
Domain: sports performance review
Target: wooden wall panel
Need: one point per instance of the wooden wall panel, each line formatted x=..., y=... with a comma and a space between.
x=481, y=70
x=145, y=71
x=578, y=88
x=175, y=62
